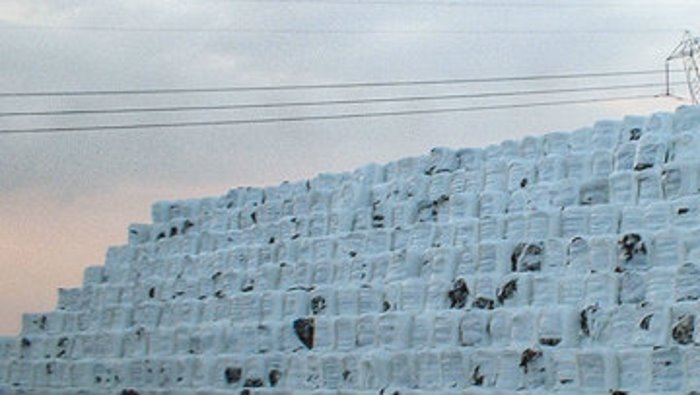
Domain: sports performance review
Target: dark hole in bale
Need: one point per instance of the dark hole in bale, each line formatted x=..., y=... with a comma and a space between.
x=386, y=306
x=483, y=303
x=247, y=287
x=295, y=236
x=253, y=382
x=274, y=376
x=346, y=375
x=232, y=375
x=129, y=392
x=477, y=376
x=318, y=304
x=26, y=342
x=642, y=166
x=245, y=392
x=272, y=240
x=161, y=235
x=683, y=210
x=98, y=379
x=304, y=329
x=528, y=356
x=631, y=244
x=152, y=292
x=566, y=381
x=550, y=341
x=49, y=369
x=635, y=134
x=683, y=330
x=508, y=290
x=458, y=294
x=253, y=216
x=523, y=183
x=618, y=392
x=187, y=226
x=644, y=323
x=583, y=322
x=584, y=319
x=352, y=254
x=515, y=256
x=219, y=294
x=216, y=275
x=173, y=231
x=442, y=199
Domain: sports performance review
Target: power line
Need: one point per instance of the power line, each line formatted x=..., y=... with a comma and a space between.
x=159, y=91
x=401, y=99
x=302, y=118
x=481, y=4
x=140, y=29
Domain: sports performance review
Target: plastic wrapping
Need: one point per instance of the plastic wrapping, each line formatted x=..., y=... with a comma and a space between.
x=428, y=370
x=551, y=168
x=473, y=328
x=578, y=165
x=666, y=369
x=530, y=147
x=470, y=158
x=392, y=331
x=421, y=331
x=446, y=329
x=345, y=333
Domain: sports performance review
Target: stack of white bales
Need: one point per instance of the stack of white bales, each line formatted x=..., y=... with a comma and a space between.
x=568, y=263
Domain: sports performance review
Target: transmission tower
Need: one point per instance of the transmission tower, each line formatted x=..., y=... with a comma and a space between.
x=689, y=51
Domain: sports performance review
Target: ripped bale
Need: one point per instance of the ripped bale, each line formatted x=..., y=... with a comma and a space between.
x=253, y=382
x=304, y=329
x=528, y=356
x=527, y=257
x=683, y=330
x=318, y=305
x=507, y=290
x=274, y=376
x=632, y=251
x=458, y=294
x=232, y=375
x=483, y=303
x=586, y=319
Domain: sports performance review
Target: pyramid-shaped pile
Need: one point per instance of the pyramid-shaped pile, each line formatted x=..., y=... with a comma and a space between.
x=568, y=263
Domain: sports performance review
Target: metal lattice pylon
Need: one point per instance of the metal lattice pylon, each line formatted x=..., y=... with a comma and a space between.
x=689, y=51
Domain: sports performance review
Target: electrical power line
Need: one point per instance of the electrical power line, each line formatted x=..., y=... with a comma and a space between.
x=467, y=3
x=159, y=91
x=400, y=99
x=303, y=118
x=292, y=31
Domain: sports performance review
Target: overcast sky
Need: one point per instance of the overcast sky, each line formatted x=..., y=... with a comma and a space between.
x=64, y=198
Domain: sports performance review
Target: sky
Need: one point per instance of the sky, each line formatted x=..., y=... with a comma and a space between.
x=66, y=197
